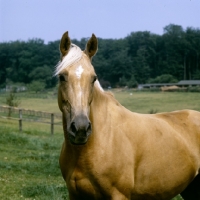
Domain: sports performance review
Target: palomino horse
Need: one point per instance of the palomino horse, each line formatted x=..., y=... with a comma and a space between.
x=112, y=153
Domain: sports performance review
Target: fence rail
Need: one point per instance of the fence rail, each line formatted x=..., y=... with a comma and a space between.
x=21, y=115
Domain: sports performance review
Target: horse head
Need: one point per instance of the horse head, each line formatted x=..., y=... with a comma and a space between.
x=76, y=82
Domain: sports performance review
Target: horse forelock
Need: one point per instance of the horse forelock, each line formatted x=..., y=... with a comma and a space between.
x=73, y=56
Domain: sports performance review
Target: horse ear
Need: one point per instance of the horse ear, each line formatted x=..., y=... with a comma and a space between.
x=65, y=44
x=92, y=46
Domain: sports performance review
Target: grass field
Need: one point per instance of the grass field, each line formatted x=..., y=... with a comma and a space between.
x=144, y=102
x=29, y=166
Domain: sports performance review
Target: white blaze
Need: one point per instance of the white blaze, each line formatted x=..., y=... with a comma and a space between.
x=79, y=71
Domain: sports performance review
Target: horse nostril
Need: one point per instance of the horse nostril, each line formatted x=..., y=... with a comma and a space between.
x=73, y=127
x=88, y=129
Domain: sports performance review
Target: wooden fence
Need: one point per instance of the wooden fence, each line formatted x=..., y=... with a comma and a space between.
x=21, y=115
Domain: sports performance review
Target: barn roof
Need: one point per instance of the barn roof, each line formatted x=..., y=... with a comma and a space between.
x=180, y=83
x=189, y=82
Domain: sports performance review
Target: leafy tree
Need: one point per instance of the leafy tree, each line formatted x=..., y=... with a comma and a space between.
x=164, y=78
x=36, y=86
x=141, y=68
x=12, y=101
x=132, y=83
x=139, y=57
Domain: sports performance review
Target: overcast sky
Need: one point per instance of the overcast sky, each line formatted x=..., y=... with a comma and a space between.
x=49, y=19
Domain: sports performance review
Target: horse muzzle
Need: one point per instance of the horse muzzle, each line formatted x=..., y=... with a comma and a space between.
x=79, y=130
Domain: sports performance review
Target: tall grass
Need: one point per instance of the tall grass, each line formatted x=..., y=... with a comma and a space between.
x=29, y=166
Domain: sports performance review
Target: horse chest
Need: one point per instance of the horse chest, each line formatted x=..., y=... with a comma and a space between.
x=81, y=187
x=83, y=184
x=99, y=181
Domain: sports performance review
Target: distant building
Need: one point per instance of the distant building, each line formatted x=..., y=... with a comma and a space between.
x=16, y=88
x=183, y=83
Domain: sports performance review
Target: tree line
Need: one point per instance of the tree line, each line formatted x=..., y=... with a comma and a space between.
x=141, y=57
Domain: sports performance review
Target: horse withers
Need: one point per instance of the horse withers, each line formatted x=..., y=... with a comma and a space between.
x=110, y=152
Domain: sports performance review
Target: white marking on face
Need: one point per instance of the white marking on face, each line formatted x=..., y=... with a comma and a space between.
x=79, y=71
x=80, y=93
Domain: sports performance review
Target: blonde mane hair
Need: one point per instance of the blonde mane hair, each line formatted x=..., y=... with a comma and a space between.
x=73, y=56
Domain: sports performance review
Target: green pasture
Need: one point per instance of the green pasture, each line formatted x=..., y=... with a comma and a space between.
x=136, y=101
x=29, y=166
x=146, y=102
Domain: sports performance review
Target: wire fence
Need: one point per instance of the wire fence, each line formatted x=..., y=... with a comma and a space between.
x=21, y=115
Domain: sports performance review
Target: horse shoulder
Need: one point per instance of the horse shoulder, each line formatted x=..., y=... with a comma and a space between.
x=164, y=141
x=185, y=131
x=186, y=123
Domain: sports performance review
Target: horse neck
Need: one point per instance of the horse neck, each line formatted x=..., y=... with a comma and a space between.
x=99, y=104
x=101, y=110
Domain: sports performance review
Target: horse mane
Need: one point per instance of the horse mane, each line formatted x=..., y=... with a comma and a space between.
x=105, y=95
x=73, y=56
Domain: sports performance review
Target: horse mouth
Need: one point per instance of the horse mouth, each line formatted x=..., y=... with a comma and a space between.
x=78, y=140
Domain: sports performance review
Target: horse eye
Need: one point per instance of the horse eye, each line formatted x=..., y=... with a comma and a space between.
x=62, y=78
x=94, y=79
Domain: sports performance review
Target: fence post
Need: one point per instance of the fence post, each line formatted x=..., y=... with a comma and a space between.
x=52, y=123
x=20, y=120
